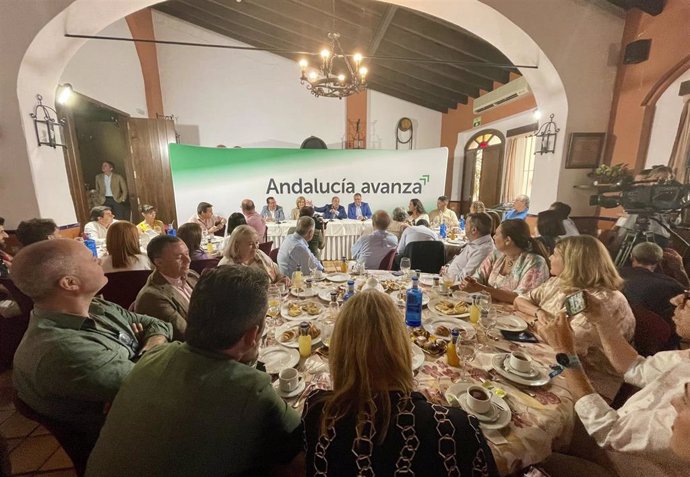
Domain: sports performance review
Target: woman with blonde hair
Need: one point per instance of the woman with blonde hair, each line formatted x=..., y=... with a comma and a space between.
x=518, y=264
x=582, y=263
x=369, y=423
x=242, y=248
x=477, y=206
x=300, y=202
x=124, y=252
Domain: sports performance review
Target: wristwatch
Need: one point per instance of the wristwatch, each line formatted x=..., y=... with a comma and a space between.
x=564, y=361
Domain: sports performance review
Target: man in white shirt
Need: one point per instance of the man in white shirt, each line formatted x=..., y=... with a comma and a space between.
x=294, y=252
x=101, y=218
x=638, y=434
x=563, y=211
x=416, y=233
x=479, y=246
x=375, y=246
x=209, y=223
x=443, y=214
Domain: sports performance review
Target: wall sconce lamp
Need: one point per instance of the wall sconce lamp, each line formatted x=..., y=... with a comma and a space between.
x=48, y=129
x=548, y=132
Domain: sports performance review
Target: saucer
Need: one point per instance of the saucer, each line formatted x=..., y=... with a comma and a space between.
x=491, y=416
x=499, y=406
x=531, y=374
x=497, y=363
x=300, y=387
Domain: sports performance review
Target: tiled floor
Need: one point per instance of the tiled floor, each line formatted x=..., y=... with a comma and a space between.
x=33, y=451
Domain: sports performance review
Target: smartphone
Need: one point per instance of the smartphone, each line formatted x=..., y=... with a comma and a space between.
x=575, y=303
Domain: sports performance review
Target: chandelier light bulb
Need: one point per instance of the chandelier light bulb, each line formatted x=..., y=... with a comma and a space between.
x=313, y=76
x=325, y=53
x=341, y=77
x=357, y=57
x=363, y=71
x=303, y=63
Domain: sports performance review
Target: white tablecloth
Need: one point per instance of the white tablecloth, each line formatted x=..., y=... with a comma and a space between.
x=340, y=235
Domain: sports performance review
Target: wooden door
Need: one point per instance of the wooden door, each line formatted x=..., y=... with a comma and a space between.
x=490, y=180
x=467, y=181
x=149, y=168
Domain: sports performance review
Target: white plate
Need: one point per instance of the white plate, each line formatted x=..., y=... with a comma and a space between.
x=511, y=323
x=417, y=357
x=455, y=395
x=426, y=279
x=450, y=323
x=304, y=316
x=293, y=343
x=338, y=277
x=497, y=362
x=305, y=293
x=300, y=387
x=325, y=294
x=435, y=301
x=425, y=298
x=277, y=358
x=531, y=374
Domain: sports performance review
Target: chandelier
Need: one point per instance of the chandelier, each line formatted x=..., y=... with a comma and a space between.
x=339, y=75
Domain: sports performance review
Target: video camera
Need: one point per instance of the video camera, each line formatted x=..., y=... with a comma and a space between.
x=640, y=197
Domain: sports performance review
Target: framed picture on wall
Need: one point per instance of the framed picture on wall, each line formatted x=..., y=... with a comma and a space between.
x=584, y=150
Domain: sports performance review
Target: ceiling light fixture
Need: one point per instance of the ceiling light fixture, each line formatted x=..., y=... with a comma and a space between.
x=323, y=81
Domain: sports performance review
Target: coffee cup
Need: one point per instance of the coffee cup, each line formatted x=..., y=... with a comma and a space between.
x=288, y=380
x=519, y=361
x=478, y=399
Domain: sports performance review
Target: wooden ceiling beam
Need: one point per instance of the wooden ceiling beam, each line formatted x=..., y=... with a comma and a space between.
x=419, y=80
x=430, y=94
x=381, y=29
x=361, y=18
x=385, y=89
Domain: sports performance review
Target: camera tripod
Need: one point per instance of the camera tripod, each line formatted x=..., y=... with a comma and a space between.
x=641, y=233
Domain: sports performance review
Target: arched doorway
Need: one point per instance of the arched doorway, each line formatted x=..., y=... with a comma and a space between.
x=483, y=169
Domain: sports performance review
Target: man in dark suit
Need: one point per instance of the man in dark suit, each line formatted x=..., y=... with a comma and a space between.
x=168, y=290
x=333, y=210
x=358, y=210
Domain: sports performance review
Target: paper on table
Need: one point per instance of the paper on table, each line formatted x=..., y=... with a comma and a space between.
x=495, y=436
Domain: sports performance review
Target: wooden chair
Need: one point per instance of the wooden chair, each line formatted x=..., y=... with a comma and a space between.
x=652, y=333
x=266, y=247
x=12, y=329
x=388, y=261
x=122, y=287
x=427, y=256
x=76, y=442
x=274, y=254
x=495, y=219
x=200, y=265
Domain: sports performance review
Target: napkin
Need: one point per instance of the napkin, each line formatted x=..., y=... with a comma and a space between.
x=494, y=436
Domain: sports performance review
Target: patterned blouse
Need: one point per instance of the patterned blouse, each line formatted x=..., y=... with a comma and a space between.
x=551, y=297
x=262, y=262
x=529, y=271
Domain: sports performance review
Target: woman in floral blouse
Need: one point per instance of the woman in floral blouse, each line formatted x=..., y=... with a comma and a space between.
x=517, y=265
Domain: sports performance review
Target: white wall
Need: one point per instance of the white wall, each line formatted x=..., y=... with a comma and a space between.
x=109, y=71
x=239, y=98
x=665, y=126
x=383, y=114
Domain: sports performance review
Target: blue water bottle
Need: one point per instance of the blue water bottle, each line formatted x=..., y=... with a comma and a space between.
x=462, y=223
x=442, y=230
x=350, y=290
x=91, y=245
x=413, y=306
x=171, y=232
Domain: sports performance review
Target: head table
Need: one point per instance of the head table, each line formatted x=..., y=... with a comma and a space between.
x=542, y=417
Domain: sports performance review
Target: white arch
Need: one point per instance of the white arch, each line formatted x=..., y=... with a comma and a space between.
x=49, y=53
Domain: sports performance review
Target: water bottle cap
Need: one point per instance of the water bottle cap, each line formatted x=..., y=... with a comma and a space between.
x=455, y=332
x=350, y=282
x=415, y=278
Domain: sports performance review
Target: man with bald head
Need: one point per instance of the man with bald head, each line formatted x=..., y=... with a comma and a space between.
x=374, y=247
x=77, y=349
x=254, y=219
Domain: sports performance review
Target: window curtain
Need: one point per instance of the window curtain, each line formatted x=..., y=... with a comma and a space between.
x=517, y=150
x=680, y=154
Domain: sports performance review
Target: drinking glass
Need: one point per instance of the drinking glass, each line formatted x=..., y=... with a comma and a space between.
x=448, y=280
x=313, y=266
x=405, y=265
x=273, y=304
x=485, y=301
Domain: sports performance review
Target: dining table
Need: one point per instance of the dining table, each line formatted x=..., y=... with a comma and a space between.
x=535, y=420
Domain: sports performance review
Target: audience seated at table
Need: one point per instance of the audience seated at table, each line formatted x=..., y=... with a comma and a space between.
x=318, y=241
x=442, y=214
x=272, y=212
x=294, y=252
x=150, y=223
x=398, y=222
x=477, y=206
x=254, y=219
x=101, y=218
x=358, y=210
x=36, y=230
x=242, y=248
x=124, y=252
x=78, y=349
x=644, y=285
x=563, y=211
x=518, y=264
x=416, y=233
x=479, y=246
x=191, y=235
x=550, y=228
x=201, y=408
x=374, y=402
x=300, y=202
x=333, y=210
x=643, y=435
x=235, y=220
x=416, y=211
x=519, y=210
x=583, y=263
x=166, y=293
x=374, y=247
x=210, y=223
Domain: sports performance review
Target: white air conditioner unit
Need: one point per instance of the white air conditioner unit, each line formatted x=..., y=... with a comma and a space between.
x=502, y=95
